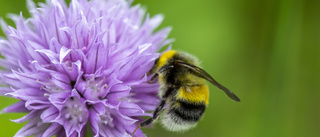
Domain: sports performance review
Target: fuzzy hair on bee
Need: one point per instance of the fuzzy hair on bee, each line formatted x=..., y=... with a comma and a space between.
x=183, y=89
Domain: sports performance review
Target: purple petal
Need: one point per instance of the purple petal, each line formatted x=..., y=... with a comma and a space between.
x=58, y=98
x=30, y=79
x=32, y=127
x=5, y=90
x=90, y=66
x=63, y=53
x=145, y=88
x=94, y=118
x=35, y=55
x=131, y=109
x=29, y=116
x=37, y=104
x=52, y=130
x=55, y=46
x=28, y=94
x=10, y=79
x=15, y=108
x=49, y=114
x=61, y=80
x=6, y=64
x=50, y=54
x=126, y=120
x=147, y=102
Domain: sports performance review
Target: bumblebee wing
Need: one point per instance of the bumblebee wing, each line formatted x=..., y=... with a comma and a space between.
x=203, y=74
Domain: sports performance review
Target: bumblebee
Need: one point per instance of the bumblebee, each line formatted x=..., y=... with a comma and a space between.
x=183, y=89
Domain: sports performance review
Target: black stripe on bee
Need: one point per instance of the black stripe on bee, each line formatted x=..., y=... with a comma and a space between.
x=188, y=112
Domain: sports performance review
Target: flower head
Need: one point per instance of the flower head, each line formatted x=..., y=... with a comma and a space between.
x=82, y=65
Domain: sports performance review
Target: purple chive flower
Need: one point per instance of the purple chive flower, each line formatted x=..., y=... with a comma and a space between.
x=80, y=67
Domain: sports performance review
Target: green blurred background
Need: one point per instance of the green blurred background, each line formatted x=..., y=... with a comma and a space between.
x=267, y=52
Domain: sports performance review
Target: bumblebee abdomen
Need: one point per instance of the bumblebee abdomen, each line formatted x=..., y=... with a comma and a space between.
x=182, y=115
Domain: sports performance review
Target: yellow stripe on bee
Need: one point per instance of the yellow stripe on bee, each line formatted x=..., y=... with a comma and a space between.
x=196, y=94
x=164, y=57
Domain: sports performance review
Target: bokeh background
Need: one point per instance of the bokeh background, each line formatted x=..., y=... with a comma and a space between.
x=267, y=52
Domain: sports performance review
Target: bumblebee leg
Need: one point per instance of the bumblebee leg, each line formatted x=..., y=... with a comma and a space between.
x=153, y=78
x=165, y=68
x=161, y=70
x=163, y=102
x=144, y=123
x=150, y=120
x=156, y=113
x=159, y=108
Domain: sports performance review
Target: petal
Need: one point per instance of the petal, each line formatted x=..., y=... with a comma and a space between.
x=7, y=64
x=5, y=90
x=101, y=57
x=50, y=114
x=55, y=46
x=94, y=120
x=146, y=88
x=40, y=68
x=27, y=117
x=37, y=104
x=34, y=54
x=125, y=120
x=155, y=21
x=141, y=64
x=17, y=107
x=63, y=53
x=11, y=80
x=28, y=94
x=52, y=130
x=130, y=109
x=33, y=127
x=96, y=59
x=30, y=79
x=58, y=98
x=51, y=55
x=62, y=81
x=31, y=6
